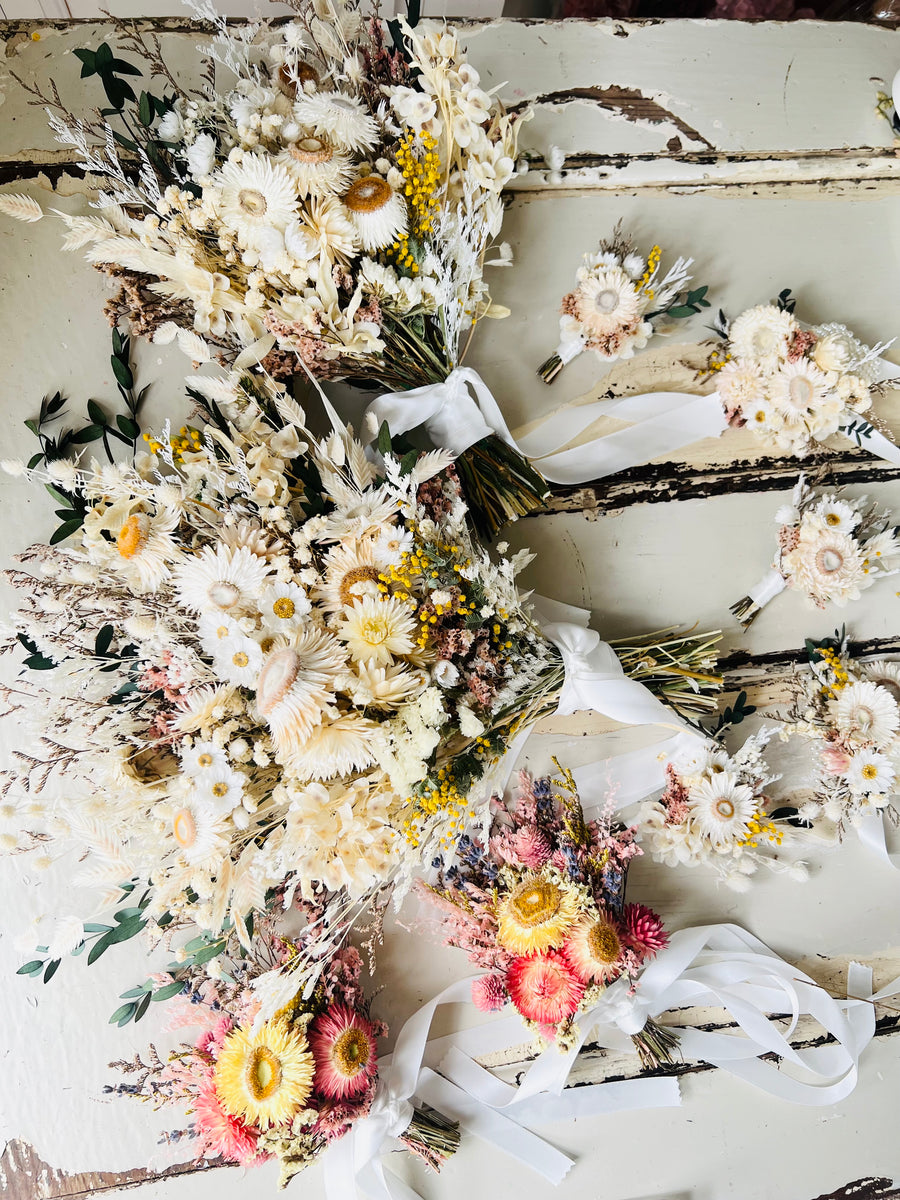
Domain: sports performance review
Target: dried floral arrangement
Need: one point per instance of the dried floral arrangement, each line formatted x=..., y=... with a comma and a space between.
x=715, y=811
x=795, y=385
x=851, y=709
x=539, y=905
x=257, y=661
x=333, y=203
x=831, y=547
x=272, y=1073
x=621, y=300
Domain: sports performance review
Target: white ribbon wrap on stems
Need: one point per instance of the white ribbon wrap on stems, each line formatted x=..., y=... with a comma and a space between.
x=720, y=966
x=771, y=585
x=354, y=1167
x=595, y=679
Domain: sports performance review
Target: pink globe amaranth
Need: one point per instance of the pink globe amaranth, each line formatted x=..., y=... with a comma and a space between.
x=543, y=987
x=644, y=930
x=489, y=993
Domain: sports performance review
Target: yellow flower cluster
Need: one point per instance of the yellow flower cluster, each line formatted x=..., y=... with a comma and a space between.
x=445, y=798
x=427, y=561
x=188, y=442
x=840, y=677
x=759, y=827
x=421, y=185
x=652, y=263
x=715, y=362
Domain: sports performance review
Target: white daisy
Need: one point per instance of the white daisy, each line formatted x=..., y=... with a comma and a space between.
x=837, y=514
x=238, y=661
x=341, y=118
x=327, y=223
x=376, y=630
x=317, y=167
x=199, y=833
x=340, y=747
x=391, y=543
x=866, y=712
x=203, y=758
x=215, y=628
x=295, y=684
x=220, y=789
x=283, y=607
x=762, y=334
x=255, y=195
x=721, y=808
x=221, y=579
x=870, y=773
x=376, y=210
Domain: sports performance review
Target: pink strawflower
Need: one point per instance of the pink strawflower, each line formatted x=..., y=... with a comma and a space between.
x=343, y=1044
x=644, y=930
x=211, y=1040
x=543, y=987
x=489, y=993
x=221, y=1134
x=836, y=760
x=532, y=847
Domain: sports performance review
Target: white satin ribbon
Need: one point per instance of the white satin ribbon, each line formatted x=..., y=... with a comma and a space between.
x=354, y=1167
x=720, y=966
x=871, y=831
x=595, y=679
x=456, y=413
x=629, y=778
x=771, y=585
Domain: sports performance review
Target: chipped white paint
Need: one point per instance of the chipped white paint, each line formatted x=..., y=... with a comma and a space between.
x=776, y=132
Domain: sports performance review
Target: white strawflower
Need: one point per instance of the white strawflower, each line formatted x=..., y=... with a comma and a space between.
x=376, y=630
x=825, y=563
x=607, y=302
x=469, y=724
x=866, y=712
x=886, y=675
x=762, y=334
x=171, y=127
x=295, y=684
x=200, y=834
x=222, y=579
x=340, y=747
x=740, y=386
x=798, y=391
x=255, y=195
x=378, y=212
x=201, y=156
x=329, y=228
x=342, y=119
x=317, y=167
x=721, y=808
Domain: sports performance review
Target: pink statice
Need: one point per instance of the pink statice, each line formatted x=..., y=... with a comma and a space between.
x=675, y=798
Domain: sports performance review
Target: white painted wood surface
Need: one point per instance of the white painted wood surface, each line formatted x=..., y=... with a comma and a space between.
x=757, y=150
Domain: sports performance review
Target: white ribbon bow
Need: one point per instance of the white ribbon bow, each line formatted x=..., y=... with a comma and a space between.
x=721, y=966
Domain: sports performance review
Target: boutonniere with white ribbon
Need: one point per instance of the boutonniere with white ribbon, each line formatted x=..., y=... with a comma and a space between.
x=831, y=547
x=621, y=299
x=850, y=708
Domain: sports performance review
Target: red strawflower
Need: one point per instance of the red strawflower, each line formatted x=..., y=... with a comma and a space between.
x=543, y=987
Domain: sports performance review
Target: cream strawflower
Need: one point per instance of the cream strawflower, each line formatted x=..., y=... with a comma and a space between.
x=376, y=210
x=295, y=684
x=145, y=549
x=317, y=167
x=825, y=563
x=386, y=687
x=255, y=195
x=339, y=747
x=284, y=607
x=199, y=834
x=740, y=386
x=352, y=570
x=238, y=660
x=205, y=705
x=870, y=773
x=377, y=630
x=606, y=302
x=328, y=224
x=221, y=580
x=886, y=675
x=762, y=334
x=721, y=808
x=799, y=391
x=867, y=713
x=341, y=118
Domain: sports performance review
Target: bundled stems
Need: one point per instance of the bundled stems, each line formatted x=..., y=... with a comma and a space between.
x=746, y=610
x=550, y=368
x=680, y=670
x=431, y=1137
x=656, y=1046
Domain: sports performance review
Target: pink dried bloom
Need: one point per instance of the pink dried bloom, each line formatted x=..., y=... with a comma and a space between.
x=221, y=1134
x=489, y=993
x=836, y=760
x=211, y=1041
x=595, y=948
x=532, y=846
x=342, y=1042
x=543, y=987
x=788, y=537
x=675, y=798
x=801, y=344
x=644, y=930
